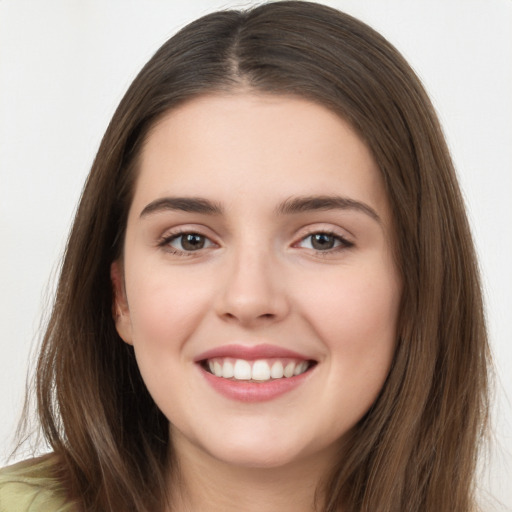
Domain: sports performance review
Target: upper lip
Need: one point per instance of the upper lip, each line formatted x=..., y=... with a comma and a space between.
x=250, y=352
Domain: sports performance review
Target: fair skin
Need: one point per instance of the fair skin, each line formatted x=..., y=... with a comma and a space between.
x=286, y=259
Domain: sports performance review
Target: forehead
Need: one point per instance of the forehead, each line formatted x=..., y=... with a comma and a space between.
x=232, y=145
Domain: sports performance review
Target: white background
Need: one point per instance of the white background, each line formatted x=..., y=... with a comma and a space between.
x=64, y=66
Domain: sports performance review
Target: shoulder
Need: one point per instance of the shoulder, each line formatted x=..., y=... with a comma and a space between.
x=30, y=486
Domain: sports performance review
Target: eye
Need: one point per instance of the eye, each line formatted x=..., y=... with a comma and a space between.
x=188, y=242
x=324, y=242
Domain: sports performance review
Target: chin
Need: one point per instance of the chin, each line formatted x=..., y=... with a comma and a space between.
x=261, y=451
x=257, y=458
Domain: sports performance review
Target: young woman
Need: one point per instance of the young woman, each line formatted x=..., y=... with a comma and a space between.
x=269, y=298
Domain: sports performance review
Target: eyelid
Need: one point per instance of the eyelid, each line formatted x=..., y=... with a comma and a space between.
x=345, y=241
x=172, y=238
x=339, y=241
x=172, y=234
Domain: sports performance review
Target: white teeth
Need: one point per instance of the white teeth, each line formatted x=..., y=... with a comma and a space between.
x=300, y=368
x=277, y=370
x=217, y=369
x=289, y=369
x=242, y=370
x=227, y=370
x=260, y=370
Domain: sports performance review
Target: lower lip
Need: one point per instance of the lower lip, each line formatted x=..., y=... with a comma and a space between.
x=245, y=391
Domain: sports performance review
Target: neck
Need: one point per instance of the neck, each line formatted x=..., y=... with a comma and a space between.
x=202, y=482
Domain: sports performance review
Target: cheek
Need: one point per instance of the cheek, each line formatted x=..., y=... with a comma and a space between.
x=356, y=315
x=164, y=314
x=165, y=310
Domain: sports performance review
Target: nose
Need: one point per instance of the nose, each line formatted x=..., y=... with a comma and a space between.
x=253, y=290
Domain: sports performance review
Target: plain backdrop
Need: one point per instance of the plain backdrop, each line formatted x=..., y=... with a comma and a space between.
x=64, y=66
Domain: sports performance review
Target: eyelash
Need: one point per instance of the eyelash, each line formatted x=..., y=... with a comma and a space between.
x=165, y=242
x=343, y=243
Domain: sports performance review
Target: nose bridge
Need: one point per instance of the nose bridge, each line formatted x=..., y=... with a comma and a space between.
x=253, y=291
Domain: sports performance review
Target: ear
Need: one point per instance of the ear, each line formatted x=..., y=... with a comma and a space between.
x=120, y=310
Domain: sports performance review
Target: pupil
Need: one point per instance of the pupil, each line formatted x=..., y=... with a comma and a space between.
x=192, y=242
x=322, y=241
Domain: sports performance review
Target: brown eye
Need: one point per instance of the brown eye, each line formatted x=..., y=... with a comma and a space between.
x=189, y=242
x=324, y=242
x=192, y=242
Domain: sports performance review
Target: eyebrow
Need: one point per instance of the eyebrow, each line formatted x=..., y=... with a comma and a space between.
x=311, y=203
x=293, y=205
x=184, y=204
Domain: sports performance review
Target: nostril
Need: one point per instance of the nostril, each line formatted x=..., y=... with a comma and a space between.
x=251, y=306
x=242, y=317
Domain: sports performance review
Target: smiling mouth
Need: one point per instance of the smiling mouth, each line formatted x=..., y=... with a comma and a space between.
x=259, y=370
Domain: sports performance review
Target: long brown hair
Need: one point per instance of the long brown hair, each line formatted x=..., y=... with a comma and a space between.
x=416, y=449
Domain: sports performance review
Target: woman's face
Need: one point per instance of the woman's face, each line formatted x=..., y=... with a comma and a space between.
x=257, y=285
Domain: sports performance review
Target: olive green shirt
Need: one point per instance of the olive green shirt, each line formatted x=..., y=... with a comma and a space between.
x=30, y=487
